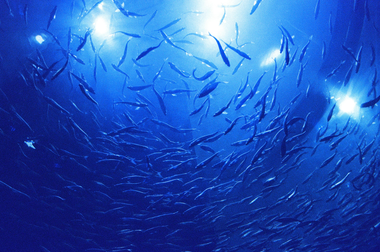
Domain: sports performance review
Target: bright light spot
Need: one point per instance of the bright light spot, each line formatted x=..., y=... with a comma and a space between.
x=269, y=58
x=39, y=39
x=100, y=6
x=101, y=26
x=348, y=105
x=30, y=143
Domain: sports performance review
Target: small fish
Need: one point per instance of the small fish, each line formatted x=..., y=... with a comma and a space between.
x=86, y=94
x=208, y=63
x=102, y=63
x=244, y=55
x=205, y=76
x=128, y=34
x=158, y=73
x=167, y=39
x=348, y=75
x=349, y=51
x=144, y=53
x=316, y=9
x=179, y=71
x=150, y=19
x=224, y=57
x=125, y=12
x=208, y=88
x=222, y=109
x=303, y=51
x=256, y=4
x=52, y=16
x=224, y=15
x=358, y=59
x=119, y=70
x=373, y=55
x=328, y=160
x=286, y=52
x=299, y=76
x=59, y=71
x=54, y=104
x=170, y=24
x=331, y=113
x=370, y=103
x=122, y=59
x=160, y=100
x=287, y=34
x=81, y=45
x=26, y=14
x=238, y=66
x=139, y=88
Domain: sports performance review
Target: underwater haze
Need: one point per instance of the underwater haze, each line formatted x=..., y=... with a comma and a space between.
x=188, y=125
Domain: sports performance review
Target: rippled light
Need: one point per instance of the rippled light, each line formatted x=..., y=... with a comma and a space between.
x=39, y=39
x=269, y=58
x=348, y=105
x=101, y=26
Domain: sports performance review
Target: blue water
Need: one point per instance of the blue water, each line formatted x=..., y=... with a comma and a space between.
x=111, y=141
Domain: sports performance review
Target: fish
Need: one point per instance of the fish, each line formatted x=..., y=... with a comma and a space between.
x=52, y=16
x=122, y=59
x=224, y=15
x=54, y=104
x=197, y=110
x=237, y=33
x=144, y=53
x=222, y=109
x=85, y=13
x=160, y=100
x=303, y=51
x=208, y=63
x=316, y=9
x=243, y=54
x=370, y=103
x=208, y=88
x=299, y=75
x=287, y=34
x=128, y=34
x=358, y=59
x=167, y=39
x=286, y=52
x=331, y=113
x=84, y=83
x=256, y=5
x=86, y=94
x=158, y=73
x=150, y=19
x=179, y=71
x=83, y=43
x=205, y=76
x=126, y=12
x=330, y=24
x=102, y=62
x=119, y=70
x=224, y=57
x=328, y=160
x=238, y=66
x=348, y=75
x=59, y=71
x=333, y=72
x=169, y=24
x=373, y=55
x=340, y=182
x=349, y=51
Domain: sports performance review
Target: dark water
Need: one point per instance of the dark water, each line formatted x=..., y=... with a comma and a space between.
x=172, y=128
